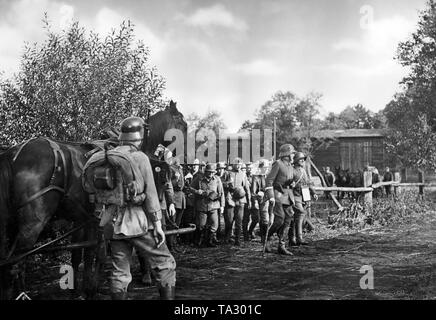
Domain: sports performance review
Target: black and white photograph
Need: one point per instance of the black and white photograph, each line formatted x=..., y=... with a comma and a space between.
x=240, y=151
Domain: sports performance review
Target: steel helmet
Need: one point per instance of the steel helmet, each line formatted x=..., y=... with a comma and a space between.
x=298, y=156
x=211, y=167
x=286, y=150
x=221, y=165
x=132, y=129
x=262, y=163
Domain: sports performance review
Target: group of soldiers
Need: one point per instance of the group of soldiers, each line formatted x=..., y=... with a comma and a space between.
x=226, y=202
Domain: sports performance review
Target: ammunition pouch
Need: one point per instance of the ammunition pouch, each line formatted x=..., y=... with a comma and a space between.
x=278, y=187
x=213, y=196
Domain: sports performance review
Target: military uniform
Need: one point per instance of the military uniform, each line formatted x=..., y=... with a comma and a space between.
x=259, y=206
x=278, y=186
x=301, y=180
x=178, y=182
x=237, y=197
x=209, y=195
x=132, y=231
x=224, y=180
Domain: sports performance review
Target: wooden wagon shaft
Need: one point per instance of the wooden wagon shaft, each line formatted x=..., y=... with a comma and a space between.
x=338, y=204
x=85, y=244
x=93, y=243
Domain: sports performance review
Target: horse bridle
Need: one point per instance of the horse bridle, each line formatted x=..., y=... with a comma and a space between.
x=58, y=156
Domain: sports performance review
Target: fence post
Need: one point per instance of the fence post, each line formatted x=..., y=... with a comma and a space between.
x=421, y=180
x=367, y=182
x=397, y=178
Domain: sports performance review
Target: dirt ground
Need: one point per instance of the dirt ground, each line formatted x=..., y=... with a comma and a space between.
x=402, y=256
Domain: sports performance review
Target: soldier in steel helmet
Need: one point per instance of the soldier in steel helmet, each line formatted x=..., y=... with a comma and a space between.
x=237, y=198
x=301, y=183
x=222, y=173
x=209, y=193
x=281, y=198
x=259, y=203
x=140, y=226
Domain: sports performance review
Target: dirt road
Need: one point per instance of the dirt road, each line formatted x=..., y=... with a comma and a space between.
x=403, y=258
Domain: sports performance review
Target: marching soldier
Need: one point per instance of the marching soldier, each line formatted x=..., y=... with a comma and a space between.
x=281, y=197
x=237, y=197
x=189, y=214
x=140, y=226
x=259, y=203
x=246, y=168
x=164, y=187
x=209, y=193
x=223, y=175
x=178, y=182
x=302, y=193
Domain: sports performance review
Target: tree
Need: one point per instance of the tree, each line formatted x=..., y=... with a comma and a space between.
x=73, y=85
x=296, y=118
x=356, y=117
x=411, y=114
x=212, y=120
x=417, y=148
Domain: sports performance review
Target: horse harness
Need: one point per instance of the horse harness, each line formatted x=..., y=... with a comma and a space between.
x=59, y=161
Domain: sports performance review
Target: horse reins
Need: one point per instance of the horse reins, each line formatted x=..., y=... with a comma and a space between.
x=57, y=167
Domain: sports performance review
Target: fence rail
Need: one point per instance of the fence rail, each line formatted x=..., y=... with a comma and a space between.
x=368, y=187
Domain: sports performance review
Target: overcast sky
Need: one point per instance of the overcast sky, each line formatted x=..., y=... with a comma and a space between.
x=234, y=55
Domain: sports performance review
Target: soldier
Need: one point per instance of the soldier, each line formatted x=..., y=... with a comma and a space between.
x=329, y=178
x=223, y=175
x=301, y=183
x=259, y=203
x=178, y=182
x=189, y=214
x=141, y=225
x=209, y=200
x=281, y=197
x=237, y=197
x=164, y=187
x=246, y=168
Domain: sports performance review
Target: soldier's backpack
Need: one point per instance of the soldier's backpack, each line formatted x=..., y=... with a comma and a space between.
x=112, y=178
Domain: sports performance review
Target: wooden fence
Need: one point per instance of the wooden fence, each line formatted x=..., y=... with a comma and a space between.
x=368, y=187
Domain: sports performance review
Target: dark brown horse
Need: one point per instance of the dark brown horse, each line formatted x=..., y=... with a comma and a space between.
x=40, y=180
x=342, y=180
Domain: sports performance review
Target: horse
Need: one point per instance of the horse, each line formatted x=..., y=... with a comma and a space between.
x=356, y=182
x=40, y=181
x=342, y=180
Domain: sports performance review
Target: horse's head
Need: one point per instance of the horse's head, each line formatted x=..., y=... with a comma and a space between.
x=159, y=123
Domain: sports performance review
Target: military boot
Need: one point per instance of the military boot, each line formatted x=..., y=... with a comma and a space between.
x=201, y=239
x=299, y=227
x=237, y=240
x=282, y=249
x=119, y=295
x=211, y=239
x=293, y=235
x=263, y=229
x=245, y=233
x=251, y=235
x=167, y=293
x=268, y=248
